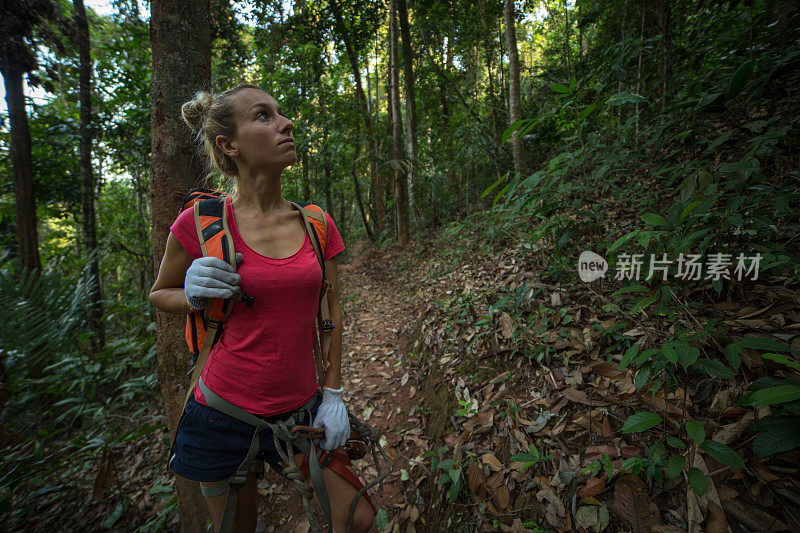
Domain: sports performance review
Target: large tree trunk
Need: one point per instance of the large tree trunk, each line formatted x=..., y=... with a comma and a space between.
x=400, y=190
x=380, y=210
x=27, y=236
x=87, y=182
x=180, y=36
x=514, y=113
x=411, y=104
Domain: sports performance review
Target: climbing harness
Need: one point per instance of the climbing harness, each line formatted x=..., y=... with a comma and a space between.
x=295, y=431
x=203, y=329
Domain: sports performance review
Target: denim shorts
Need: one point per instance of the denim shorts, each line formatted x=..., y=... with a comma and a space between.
x=210, y=445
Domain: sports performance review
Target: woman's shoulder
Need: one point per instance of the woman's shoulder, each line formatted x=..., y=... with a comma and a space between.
x=185, y=231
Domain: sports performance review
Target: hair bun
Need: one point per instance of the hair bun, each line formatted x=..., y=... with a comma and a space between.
x=194, y=111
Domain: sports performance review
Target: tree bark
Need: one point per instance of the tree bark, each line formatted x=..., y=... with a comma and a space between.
x=357, y=186
x=380, y=210
x=400, y=191
x=580, y=31
x=27, y=236
x=411, y=104
x=665, y=44
x=489, y=54
x=95, y=295
x=514, y=112
x=180, y=36
x=566, y=37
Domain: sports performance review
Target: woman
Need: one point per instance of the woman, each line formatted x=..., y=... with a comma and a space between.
x=264, y=361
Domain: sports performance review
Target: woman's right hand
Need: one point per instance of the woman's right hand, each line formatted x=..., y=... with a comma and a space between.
x=209, y=277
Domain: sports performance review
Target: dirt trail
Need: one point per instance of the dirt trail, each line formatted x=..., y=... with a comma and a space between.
x=378, y=388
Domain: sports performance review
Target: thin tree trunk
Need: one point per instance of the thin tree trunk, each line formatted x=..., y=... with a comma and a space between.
x=326, y=168
x=344, y=223
x=566, y=36
x=666, y=49
x=27, y=236
x=304, y=157
x=95, y=295
x=580, y=30
x=357, y=186
x=380, y=210
x=622, y=38
x=180, y=36
x=639, y=70
x=411, y=105
x=489, y=45
x=514, y=112
x=400, y=190
x=452, y=179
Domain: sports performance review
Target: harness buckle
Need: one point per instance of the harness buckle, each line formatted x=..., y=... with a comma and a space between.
x=327, y=325
x=241, y=296
x=237, y=481
x=213, y=323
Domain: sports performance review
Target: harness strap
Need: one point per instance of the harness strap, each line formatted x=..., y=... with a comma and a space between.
x=338, y=462
x=282, y=437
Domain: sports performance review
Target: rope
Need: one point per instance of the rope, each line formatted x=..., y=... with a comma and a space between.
x=291, y=471
x=374, y=437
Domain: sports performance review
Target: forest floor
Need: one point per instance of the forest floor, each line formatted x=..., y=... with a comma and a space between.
x=491, y=418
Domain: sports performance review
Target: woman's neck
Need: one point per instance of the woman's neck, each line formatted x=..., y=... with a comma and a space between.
x=260, y=193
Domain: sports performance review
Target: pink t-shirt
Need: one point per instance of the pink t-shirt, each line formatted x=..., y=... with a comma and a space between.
x=264, y=360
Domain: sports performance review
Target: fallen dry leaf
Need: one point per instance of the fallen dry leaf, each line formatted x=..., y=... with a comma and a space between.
x=593, y=486
x=105, y=472
x=715, y=521
x=491, y=460
x=506, y=326
x=633, y=504
x=476, y=480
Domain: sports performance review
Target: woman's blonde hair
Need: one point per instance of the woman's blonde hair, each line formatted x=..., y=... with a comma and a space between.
x=209, y=115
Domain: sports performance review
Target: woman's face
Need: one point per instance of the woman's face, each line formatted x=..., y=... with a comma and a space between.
x=263, y=134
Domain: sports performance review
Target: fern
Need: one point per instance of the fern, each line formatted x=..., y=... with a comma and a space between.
x=44, y=313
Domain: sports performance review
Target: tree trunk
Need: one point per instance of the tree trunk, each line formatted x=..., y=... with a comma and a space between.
x=580, y=31
x=514, y=112
x=95, y=295
x=357, y=186
x=380, y=211
x=180, y=36
x=400, y=190
x=566, y=37
x=665, y=61
x=27, y=236
x=343, y=225
x=411, y=104
x=639, y=69
x=489, y=45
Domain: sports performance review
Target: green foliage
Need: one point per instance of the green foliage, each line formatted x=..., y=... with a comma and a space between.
x=777, y=432
x=532, y=458
x=48, y=314
x=450, y=475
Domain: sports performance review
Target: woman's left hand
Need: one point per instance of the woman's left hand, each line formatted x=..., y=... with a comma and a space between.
x=332, y=415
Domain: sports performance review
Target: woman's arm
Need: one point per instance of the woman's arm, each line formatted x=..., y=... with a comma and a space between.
x=167, y=292
x=333, y=376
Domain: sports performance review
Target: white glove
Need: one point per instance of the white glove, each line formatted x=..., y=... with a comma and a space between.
x=209, y=277
x=332, y=415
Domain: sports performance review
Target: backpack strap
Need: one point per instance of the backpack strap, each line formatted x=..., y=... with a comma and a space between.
x=214, y=234
x=314, y=220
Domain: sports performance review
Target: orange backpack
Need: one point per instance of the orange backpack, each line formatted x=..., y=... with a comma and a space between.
x=204, y=327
